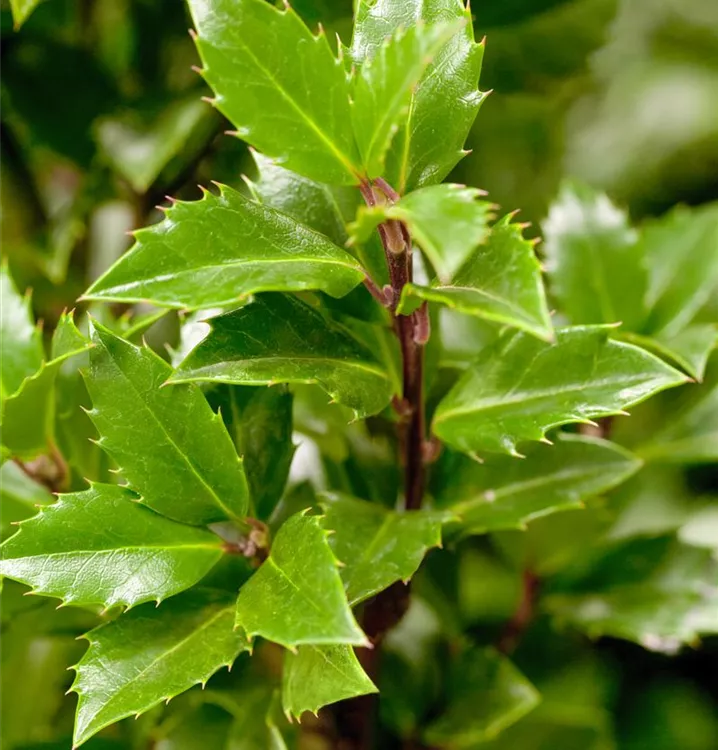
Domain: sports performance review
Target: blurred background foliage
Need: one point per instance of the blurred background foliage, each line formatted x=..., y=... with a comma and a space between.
x=101, y=118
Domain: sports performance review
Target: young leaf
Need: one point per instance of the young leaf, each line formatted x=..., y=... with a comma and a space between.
x=317, y=676
x=504, y=493
x=67, y=338
x=297, y=597
x=173, y=449
x=150, y=655
x=375, y=545
x=486, y=694
x=500, y=281
x=279, y=339
x=100, y=547
x=383, y=89
x=20, y=339
x=290, y=100
x=216, y=251
x=446, y=99
x=583, y=375
x=21, y=10
x=593, y=259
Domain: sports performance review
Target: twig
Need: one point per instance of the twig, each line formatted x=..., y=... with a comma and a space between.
x=523, y=615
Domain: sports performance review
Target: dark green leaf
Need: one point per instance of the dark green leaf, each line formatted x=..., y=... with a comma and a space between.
x=375, y=545
x=279, y=339
x=150, y=655
x=174, y=451
x=583, y=375
x=445, y=101
x=317, y=676
x=297, y=596
x=290, y=100
x=383, y=90
x=500, y=281
x=504, y=493
x=101, y=547
x=221, y=249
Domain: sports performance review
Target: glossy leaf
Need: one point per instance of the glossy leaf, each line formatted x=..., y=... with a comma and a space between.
x=581, y=376
x=486, y=694
x=504, y=493
x=216, y=251
x=150, y=655
x=500, y=281
x=21, y=340
x=290, y=101
x=173, y=450
x=384, y=85
x=279, y=339
x=296, y=597
x=375, y=545
x=593, y=259
x=317, y=676
x=100, y=547
x=446, y=99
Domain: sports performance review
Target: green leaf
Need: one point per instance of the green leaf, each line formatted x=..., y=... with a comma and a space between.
x=21, y=10
x=296, y=597
x=20, y=497
x=446, y=99
x=486, y=694
x=583, y=375
x=500, y=281
x=67, y=338
x=280, y=339
x=384, y=85
x=101, y=547
x=255, y=709
x=680, y=251
x=290, y=100
x=593, y=259
x=375, y=545
x=192, y=475
x=216, y=251
x=20, y=339
x=317, y=676
x=701, y=529
x=504, y=493
x=151, y=654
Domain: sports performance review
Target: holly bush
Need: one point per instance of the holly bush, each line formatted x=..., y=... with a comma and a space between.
x=342, y=428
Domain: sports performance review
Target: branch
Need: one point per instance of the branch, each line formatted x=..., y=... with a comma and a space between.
x=524, y=614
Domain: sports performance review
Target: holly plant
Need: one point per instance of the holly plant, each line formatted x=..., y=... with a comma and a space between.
x=396, y=329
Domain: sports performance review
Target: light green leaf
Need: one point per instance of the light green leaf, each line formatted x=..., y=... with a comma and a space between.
x=20, y=339
x=21, y=10
x=20, y=497
x=216, y=251
x=317, y=676
x=100, y=547
x=172, y=448
x=486, y=694
x=290, y=100
x=297, y=597
x=279, y=339
x=446, y=99
x=593, y=259
x=504, y=493
x=701, y=529
x=581, y=376
x=375, y=545
x=67, y=338
x=384, y=85
x=150, y=655
x=500, y=281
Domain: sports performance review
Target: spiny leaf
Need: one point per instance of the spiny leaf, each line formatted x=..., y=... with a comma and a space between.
x=317, y=676
x=100, y=547
x=382, y=93
x=150, y=655
x=504, y=493
x=216, y=251
x=297, y=597
x=20, y=497
x=279, y=339
x=446, y=99
x=67, y=338
x=581, y=376
x=169, y=444
x=290, y=100
x=375, y=545
x=499, y=281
